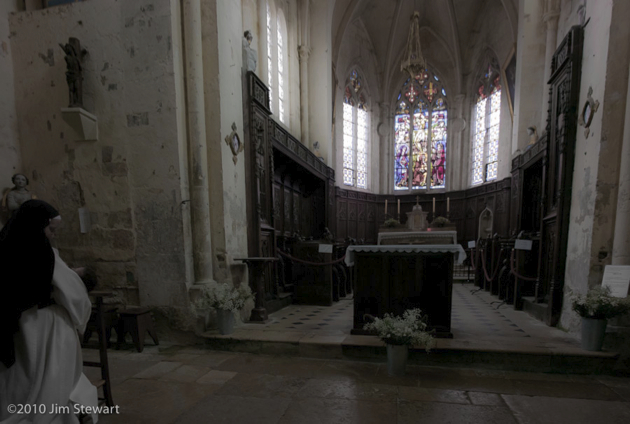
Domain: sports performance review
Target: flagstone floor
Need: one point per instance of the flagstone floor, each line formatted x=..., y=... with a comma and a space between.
x=182, y=384
x=174, y=384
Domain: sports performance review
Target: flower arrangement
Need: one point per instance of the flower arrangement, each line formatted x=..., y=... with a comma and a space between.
x=440, y=221
x=599, y=304
x=391, y=222
x=225, y=296
x=407, y=330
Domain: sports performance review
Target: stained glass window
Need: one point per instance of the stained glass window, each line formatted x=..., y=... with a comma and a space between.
x=355, y=133
x=420, y=137
x=486, y=118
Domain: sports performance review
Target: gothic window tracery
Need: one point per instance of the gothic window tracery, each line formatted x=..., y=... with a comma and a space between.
x=277, y=61
x=487, y=120
x=420, y=133
x=355, y=133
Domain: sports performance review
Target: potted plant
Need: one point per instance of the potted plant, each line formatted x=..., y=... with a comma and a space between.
x=440, y=222
x=227, y=299
x=596, y=308
x=391, y=223
x=400, y=332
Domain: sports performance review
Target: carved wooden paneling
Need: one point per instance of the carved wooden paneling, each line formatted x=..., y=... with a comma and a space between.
x=296, y=213
x=277, y=207
x=352, y=211
x=342, y=218
x=288, y=208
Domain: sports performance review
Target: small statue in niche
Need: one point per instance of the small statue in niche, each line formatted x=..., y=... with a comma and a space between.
x=485, y=224
x=74, y=71
x=13, y=198
x=250, y=56
x=533, y=135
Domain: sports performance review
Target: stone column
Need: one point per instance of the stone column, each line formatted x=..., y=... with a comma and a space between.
x=263, y=66
x=529, y=72
x=550, y=18
x=320, y=82
x=198, y=166
x=304, y=52
x=384, y=129
x=621, y=242
x=456, y=153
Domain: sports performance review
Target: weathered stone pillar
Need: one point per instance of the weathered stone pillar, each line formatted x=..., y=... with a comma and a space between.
x=195, y=111
x=384, y=129
x=263, y=65
x=303, y=52
x=621, y=242
x=529, y=72
x=552, y=13
x=457, y=154
x=320, y=81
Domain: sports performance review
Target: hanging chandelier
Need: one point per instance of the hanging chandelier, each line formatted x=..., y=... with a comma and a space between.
x=413, y=62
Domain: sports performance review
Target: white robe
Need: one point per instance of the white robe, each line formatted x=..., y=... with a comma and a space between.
x=48, y=369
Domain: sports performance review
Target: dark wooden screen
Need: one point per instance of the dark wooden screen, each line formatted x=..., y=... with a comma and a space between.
x=562, y=118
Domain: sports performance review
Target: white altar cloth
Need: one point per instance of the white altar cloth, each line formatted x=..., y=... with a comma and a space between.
x=456, y=249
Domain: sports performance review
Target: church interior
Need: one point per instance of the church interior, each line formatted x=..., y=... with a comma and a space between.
x=342, y=159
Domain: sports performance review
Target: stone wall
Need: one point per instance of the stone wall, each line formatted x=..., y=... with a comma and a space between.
x=10, y=157
x=129, y=178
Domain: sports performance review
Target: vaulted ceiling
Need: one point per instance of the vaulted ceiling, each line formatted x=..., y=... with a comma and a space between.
x=447, y=29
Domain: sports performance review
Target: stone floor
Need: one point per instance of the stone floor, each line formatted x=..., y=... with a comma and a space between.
x=179, y=384
x=171, y=384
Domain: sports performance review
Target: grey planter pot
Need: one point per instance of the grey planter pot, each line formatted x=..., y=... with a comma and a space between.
x=225, y=321
x=593, y=333
x=397, y=359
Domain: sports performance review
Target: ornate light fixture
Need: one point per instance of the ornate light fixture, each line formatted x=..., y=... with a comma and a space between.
x=413, y=62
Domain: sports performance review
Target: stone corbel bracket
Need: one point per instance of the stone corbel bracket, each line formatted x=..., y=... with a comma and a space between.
x=82, y=121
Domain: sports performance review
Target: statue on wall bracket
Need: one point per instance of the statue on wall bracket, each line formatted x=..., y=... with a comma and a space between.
x=74, y=72
x=234, y=142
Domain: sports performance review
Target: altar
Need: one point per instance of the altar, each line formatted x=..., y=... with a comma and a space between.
x=393, y=278
x=417, y=237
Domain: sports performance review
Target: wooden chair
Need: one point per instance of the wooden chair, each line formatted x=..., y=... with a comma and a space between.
x=98, y=317
x=138, y=322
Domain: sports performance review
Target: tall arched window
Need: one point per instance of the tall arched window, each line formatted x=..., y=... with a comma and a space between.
x=355, y=133
x=270, y=67
x=282, y=68
x=487, y=119
x=277, y=61
x=420, y=121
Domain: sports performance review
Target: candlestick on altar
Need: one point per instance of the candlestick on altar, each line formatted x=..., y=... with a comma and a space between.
x=434, y=205
x=448, y=204
x=385, y=206
x=398, y=207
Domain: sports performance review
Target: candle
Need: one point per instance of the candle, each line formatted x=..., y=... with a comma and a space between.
x=448, y=204
x=385, y=206
x=434, y=205
x=398, y=206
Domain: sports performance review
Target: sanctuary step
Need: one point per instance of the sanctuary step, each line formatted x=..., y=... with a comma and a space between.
x=484, y=336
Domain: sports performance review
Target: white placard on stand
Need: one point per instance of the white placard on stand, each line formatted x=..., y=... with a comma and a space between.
x=471, y=244
x=523, y=245
x=617, y=277
x=325, y=248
